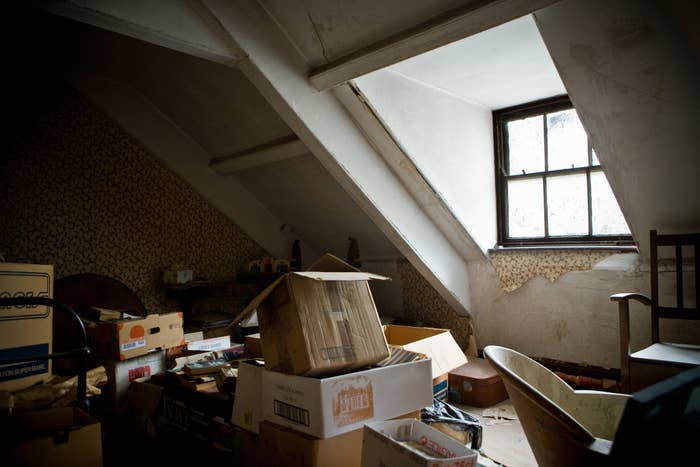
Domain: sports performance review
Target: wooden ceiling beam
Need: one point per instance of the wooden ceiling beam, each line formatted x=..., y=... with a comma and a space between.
x=267, y=153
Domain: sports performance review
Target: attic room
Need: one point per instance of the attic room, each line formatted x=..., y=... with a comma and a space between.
x=214, y=139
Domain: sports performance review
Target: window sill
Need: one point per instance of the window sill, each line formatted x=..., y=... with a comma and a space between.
x=620, y=248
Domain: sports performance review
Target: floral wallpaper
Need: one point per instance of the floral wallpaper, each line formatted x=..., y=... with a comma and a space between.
x=423, y=304
x=80, y=193
x=516, y=267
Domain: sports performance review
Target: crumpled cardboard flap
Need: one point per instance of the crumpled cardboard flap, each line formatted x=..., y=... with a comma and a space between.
x=326, y=268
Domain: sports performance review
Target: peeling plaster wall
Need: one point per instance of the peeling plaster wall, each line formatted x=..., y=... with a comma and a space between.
x=571, y=318
x=515, y=268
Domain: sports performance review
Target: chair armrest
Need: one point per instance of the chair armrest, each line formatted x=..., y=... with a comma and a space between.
x=626, y=297
x=600, y=412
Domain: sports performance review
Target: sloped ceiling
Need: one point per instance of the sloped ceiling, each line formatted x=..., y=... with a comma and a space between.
x=501, y=67
x=325, y=30
x=221, y=110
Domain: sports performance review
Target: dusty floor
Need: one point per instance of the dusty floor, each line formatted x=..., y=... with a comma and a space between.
x=504, y=441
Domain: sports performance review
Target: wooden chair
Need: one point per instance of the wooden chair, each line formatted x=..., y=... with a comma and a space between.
x=564, y=427
x=660, y=360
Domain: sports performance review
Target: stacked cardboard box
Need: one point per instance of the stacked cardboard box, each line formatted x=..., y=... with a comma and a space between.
x=133, y=348
x=318, y=322
x=26, y=331
x=326, y=369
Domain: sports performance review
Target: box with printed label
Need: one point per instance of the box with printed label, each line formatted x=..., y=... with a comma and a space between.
x=320, y=321
x=25, y=331
x=436, y=343
x=402, y=443
x=325, y=407
x=121, y=374
x=128, y=338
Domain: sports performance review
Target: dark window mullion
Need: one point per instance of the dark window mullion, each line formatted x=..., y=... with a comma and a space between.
x=504, y=172
x=544, y=176
x=588, y=189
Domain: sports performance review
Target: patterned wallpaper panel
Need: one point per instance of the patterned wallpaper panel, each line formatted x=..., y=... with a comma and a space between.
x=516, y=267
x=80, y=193
x=423, y=303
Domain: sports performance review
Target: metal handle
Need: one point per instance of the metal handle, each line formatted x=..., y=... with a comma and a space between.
x=81, y=352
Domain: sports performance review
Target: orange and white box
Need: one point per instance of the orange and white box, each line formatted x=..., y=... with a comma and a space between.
x=128, y=338
x=326, y=407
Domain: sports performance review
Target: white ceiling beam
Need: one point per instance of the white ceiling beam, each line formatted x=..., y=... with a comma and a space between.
x=456, y=24
x=325, y=126
x=174, y=24
x=275, y=151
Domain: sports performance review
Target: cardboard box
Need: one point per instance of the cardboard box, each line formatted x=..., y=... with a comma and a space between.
x=320, y=322
x=128, y=338
x=326, y=407
x=209, y=345
x=57, y=437
x=288, y=447
x=476, y=384
x=247, y=403
x=253, y=348
x=383, y=446
x=436, y=343
x=121, y=374
x=25, y=331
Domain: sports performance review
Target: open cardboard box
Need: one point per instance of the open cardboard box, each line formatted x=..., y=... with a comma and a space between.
x=320, y=321
x=326, y=407
x=384, y=446
x=436, y=343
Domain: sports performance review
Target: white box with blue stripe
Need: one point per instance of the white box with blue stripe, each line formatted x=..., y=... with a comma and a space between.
x=25, y=331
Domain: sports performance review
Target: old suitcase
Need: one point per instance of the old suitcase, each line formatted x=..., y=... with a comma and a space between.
x=476, y=383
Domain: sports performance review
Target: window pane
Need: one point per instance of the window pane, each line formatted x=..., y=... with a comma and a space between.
x=594, y=158
x=567, y=141
x=526, y=145
x=525, y=208
x=607, y=217
x=567, y=201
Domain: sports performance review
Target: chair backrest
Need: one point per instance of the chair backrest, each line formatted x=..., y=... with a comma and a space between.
x=681, y=255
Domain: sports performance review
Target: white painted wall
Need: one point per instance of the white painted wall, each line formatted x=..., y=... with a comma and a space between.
x=448, y=139
x=634, y=81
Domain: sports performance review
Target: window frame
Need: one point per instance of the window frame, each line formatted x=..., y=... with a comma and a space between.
x=500, y=119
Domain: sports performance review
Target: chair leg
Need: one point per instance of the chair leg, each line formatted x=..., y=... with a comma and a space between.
x=624, y=346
